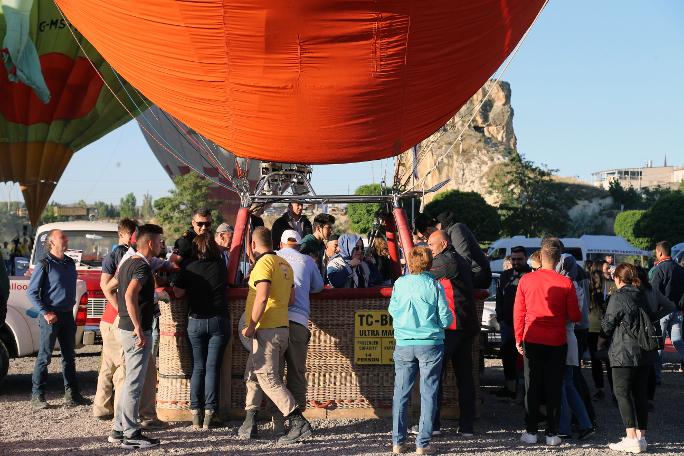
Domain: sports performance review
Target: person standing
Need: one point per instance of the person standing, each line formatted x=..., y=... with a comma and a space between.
x=223, y=238
x=6, y=256
x=271, y=291
x=420, y=313
x=201, y=223
x=505, y=298
x=544, y=302
x=204, y=282
x=136, y=312
x=314, y=244
x=668, y=278
x=307, y=280
x=4, y=293
x=293, y=219
x=52, y=291
x=629, y=360
x=600, y=289
x=453, y=272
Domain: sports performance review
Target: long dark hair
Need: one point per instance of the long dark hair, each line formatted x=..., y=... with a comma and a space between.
x=205, y=247
x=642, y=273
x=596, y=282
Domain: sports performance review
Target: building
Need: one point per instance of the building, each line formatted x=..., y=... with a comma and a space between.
x=647, y=177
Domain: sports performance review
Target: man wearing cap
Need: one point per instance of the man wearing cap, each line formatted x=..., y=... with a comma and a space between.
x=307, y=279
x=293, y=219
x=223, y=237
x=314, y=244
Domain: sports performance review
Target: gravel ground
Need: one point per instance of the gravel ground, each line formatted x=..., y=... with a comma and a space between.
x=58, y=430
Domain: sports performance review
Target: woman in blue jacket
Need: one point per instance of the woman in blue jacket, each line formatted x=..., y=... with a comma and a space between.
x=420, y=313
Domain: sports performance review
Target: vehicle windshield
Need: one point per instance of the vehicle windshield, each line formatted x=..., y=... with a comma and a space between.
x=87, y=248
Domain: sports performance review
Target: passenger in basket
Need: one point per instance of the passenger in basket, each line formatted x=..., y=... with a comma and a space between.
x=348, y=269
x=314, y=244
x=136, y=311
x=293, y=219
x=332, y=248
x=307, y=279
x=52, y=291
x=420, y=313
x=204, y=281
x=271, y=291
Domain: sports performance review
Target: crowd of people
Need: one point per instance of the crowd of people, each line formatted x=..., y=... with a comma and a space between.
x=16, y=248
x=550, y=310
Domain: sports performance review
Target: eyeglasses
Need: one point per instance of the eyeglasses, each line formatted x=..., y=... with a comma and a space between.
x=201, y=224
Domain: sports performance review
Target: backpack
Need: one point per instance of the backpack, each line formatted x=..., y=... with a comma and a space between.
x=646, y=335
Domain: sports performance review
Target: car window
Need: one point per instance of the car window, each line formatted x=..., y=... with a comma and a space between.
x=497, y=254
x=90, y=246
x=492, y=288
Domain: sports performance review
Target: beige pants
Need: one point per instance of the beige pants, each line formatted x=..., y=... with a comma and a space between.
x=112, y=375
x=295, y=358
x=263, y=372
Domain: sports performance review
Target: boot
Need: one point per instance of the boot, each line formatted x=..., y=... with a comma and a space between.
x=300, y=429
x=73, y=398
x=197, y=419
x=38, y=402
x=279, y=425
x=211, y=419
x=248, y=430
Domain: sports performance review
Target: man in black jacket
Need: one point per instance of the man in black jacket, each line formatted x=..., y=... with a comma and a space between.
x=293, y=219
x=505, y=298
x=668, y=278
x=201, y=223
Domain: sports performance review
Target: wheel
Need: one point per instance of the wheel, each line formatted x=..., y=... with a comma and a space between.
x=4, y=361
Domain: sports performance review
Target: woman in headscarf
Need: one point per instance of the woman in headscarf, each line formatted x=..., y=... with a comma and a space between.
x=347, y=269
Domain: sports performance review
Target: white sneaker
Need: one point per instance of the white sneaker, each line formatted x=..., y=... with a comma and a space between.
x=528, y=438
x=627, y=445
x=553, y=440
x=643, y=444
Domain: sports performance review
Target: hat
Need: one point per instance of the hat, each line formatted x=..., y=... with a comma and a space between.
x=290, y=237
x=224, y=228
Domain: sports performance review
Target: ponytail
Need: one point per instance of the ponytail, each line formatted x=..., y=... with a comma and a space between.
x=627, y=273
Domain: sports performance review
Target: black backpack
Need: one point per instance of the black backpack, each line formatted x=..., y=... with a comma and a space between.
x=646, y=335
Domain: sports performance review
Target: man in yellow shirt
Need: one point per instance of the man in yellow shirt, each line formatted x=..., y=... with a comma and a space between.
x=271, y=291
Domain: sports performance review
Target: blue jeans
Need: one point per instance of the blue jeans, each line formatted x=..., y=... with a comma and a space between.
x=208, y=339
x=671, y=326
x=408, y=360
x=572, y=404
x=64, y=331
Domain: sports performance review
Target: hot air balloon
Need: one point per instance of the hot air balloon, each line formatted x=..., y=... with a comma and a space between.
x=53, y=100
x=309, y=81
x=181, y=150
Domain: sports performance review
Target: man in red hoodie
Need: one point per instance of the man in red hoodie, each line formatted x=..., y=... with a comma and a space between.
x=544, y=303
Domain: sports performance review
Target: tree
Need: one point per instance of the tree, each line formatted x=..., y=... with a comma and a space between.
x=147, y=208
x=105, y=210
x=624, y=199
x=127, y=207
x=363, y=215
x=664, y=221
x=532, y=204
x=174, y=212
x=626, y=226
x=470, y=208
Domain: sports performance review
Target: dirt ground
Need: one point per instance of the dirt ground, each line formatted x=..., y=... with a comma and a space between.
x=59, y=431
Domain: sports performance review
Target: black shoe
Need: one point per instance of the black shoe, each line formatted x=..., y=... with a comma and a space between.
x=74, y=399
x=300, y=429
x=248, y=430
x=138, y=440
x=38, y=403
x=585, y=433
x=104, y=417
x=116, y=437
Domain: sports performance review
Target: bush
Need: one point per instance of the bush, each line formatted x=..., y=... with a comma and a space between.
x=470, y=208
x=664, y=221
x=362, y=215
x=626, y=226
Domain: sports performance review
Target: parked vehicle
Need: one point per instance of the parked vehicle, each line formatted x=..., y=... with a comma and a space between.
x=490, y=335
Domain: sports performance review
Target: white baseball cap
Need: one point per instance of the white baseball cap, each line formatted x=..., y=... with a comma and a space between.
x=291, y=237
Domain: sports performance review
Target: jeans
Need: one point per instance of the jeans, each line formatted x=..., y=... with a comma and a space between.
x=135, y=361
x=572, y=404
x=671, y=326
x=630, y=385
x=208, y=339
x=64, y=331
x=408, y=361
x=458, y=350
x=544, y=368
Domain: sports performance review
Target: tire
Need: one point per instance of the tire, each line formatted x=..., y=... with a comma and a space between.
x=4, y=361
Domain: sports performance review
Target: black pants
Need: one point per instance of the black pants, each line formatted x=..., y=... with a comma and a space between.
x=509, y=354
x=651, y=383
x=597, y=364
x=630, y=385
x=582, y=336
x=458, y=351
x=544, y=368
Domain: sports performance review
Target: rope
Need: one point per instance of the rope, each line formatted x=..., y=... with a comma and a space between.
x=510, y=59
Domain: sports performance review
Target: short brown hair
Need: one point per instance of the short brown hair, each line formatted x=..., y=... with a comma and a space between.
x=127, y=226
x=420, y=259
x=262, y=236
x=628, y=274
x=551, y=248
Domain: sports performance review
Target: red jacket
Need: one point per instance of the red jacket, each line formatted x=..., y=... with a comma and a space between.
x=544, y=303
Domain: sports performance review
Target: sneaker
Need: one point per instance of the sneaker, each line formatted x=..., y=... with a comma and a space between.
x=116, y=437
x=401, y=448
x=626, y=445
x=586, y=433
x=643, y=444
x=300, y=429
x=553, y=440
x=138, y=440
x=415, y=429
x=426, y=450
x=528, y=438
x=38, y=403
x=153, y=424
x=74, y=399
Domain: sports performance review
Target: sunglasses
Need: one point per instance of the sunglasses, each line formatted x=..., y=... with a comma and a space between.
x=201, y=224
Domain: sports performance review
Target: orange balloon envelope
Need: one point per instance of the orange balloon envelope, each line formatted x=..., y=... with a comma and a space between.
x=306, y=81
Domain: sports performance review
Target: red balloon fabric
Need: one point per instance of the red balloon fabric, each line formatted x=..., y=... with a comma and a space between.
x=306, y=81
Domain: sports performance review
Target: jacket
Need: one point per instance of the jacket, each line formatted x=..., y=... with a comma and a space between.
x=453, y=272
x=340, y=272
x=623, y=313
x=419, y=310
x=505, y=293
x=668, y=278
x=282, y=223
x=464, y=242
x=54, y=289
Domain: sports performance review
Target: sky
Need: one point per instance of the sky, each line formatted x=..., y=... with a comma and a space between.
x=595, y=85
